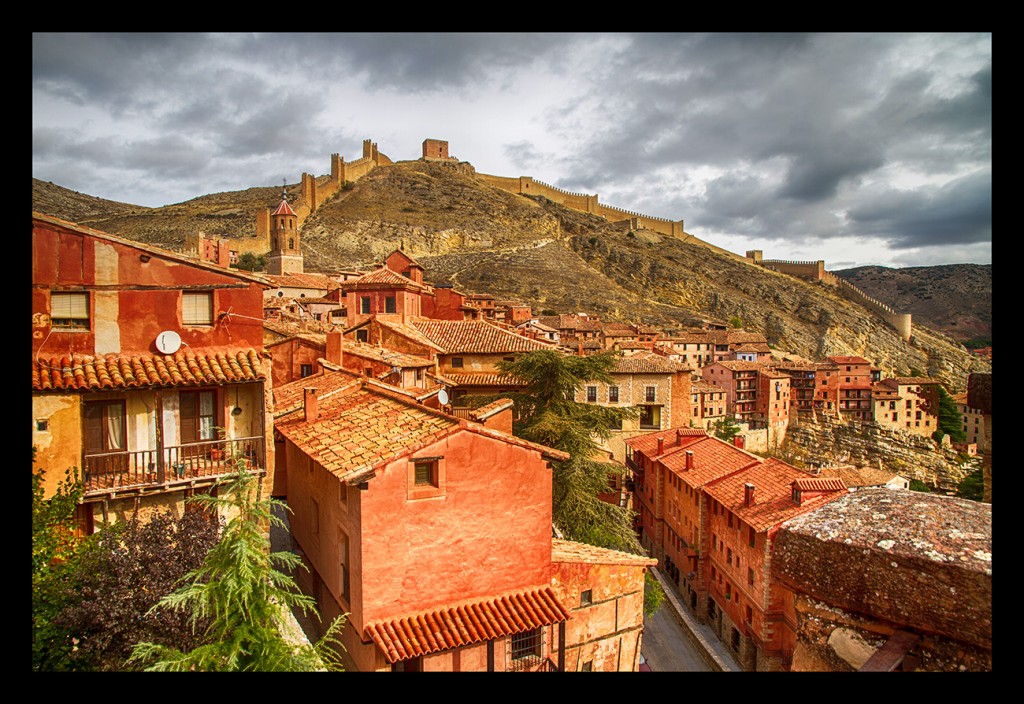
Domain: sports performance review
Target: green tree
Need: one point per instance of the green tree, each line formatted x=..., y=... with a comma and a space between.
x=972, y=486
x=726, y=428
x=53, y=543
x=248, y=261
x=549, y=414
x=736, y=322
x=950, y=421
x=243, y=597
x=117, y=577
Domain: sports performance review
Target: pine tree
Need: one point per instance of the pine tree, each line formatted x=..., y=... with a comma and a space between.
x=950, y=420
x=547, y=413
x=244, y=597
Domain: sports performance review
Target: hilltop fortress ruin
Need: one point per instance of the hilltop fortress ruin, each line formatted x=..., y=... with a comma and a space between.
x=315, y=191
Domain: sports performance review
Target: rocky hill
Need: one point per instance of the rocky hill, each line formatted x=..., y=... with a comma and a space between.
x=955, y=299
x=484, y=240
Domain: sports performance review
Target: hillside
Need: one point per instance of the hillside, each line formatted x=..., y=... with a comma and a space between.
x=484, y=240
x=955, y=299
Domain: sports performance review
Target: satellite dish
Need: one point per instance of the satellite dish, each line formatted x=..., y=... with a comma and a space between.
x=168, y=342
x=442, y=397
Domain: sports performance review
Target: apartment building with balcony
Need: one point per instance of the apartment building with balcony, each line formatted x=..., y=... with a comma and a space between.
x=149, y=375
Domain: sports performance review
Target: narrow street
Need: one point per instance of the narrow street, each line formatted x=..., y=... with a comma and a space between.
x=667, y=645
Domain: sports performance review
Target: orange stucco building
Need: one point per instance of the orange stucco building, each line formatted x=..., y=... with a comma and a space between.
x=434, y=535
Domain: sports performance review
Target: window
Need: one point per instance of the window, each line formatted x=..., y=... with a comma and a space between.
x=426, y=473
x=730, y=519
x=750, y=576
x=104, y=428
x=591, y=394
x=526, y=648
x=728, y=555
x=364, y=305
x=650, y=417
x=751, y=536
x=197, y=414
x=343, y=563
x=389, y=304
x=456, y=362
x=69, y=311
x=362, y=335
x=588, y=666
x=197, y=308
x=650, y=393
x=305, y=370
x=586, y=597
x=613, y=394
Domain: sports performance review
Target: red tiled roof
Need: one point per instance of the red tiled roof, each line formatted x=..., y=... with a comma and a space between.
x=475, y=336
x=648, y=442
x=773, y=493
x=360, y=426
x=712, y=459
x=915, y=380
x=569, y=551
x=819, y=484
x=382, y=277
x=457, y=626
x=741, y=365
x=79, y=372
x=367, y=424
x=483, y=379
x=489, y=409
x=702, y=387
x=289, y=397
x=848, y=359
x=284, y=209
x=409, y=332
x=646, y=363
x=298, y=279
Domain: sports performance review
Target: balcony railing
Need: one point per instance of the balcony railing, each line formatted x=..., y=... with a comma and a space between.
x=109, y=472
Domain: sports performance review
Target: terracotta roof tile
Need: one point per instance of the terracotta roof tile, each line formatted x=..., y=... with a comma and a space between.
x=847, y=359
x=456, y=626
x=483, y=379
x=773, y=493
x=475, y=336
x=289, y=397
x=190, y=367
x=569, y=551
x=410, y=333
x=383, y=277
x=487, y=410
x=646, y=363
x=712, y=459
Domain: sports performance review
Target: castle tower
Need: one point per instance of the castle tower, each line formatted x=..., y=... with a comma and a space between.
x=285, y=257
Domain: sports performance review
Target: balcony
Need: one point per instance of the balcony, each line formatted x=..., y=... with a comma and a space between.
x=109, y=473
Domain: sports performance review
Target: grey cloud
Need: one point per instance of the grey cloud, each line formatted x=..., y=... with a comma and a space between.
x=958, y=213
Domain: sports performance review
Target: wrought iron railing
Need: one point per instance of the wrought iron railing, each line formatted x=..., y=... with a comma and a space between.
x=118, y=471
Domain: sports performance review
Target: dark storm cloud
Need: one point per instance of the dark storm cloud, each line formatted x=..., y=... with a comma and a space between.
x=959, y=212
x=429, y=62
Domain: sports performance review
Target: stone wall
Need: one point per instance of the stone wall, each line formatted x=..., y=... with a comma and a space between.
x=881, y=561
x=865, y=444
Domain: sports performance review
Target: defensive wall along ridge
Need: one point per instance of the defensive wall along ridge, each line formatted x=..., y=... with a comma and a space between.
x=315, y=191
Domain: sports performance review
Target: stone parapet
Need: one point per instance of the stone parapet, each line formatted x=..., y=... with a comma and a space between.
x=904, y=559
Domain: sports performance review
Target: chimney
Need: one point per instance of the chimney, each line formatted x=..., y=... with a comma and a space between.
x=689, y=460
x=748, y=494
x=679, y=438
x=309, y=404
x=334, y=345
x=661, y=446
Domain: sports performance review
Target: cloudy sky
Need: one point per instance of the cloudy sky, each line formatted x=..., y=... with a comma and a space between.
x=853, y=148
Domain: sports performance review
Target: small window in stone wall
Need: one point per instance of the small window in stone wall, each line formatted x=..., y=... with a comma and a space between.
x=586, y=597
